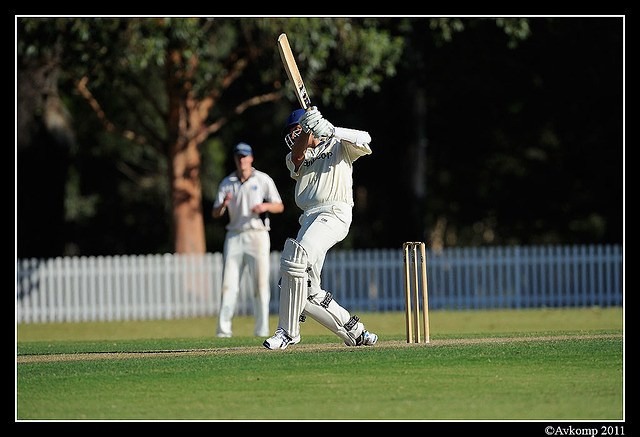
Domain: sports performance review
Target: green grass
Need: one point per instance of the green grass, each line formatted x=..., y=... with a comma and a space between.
x=543, y=378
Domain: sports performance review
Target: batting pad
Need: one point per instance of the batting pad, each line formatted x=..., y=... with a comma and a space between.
x=294, y=284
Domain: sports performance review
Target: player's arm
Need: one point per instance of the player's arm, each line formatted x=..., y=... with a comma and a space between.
x=312, y=125
x=272, y=207
x=220, y=209
x=299, y=148
x=357, y=140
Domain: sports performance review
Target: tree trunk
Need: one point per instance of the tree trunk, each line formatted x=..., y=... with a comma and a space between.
x=185, y=123
x=186, y=195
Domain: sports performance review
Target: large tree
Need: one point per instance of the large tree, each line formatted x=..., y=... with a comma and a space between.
x=170, y=83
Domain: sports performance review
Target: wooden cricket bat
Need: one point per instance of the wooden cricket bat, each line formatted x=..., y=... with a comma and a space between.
x=293, y=73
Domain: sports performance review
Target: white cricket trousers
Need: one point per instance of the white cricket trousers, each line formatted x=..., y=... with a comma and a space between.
x=245, y=250
x=321, y=229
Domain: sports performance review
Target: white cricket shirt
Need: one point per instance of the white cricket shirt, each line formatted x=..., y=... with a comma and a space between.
x=326, y=174
x=258, y=188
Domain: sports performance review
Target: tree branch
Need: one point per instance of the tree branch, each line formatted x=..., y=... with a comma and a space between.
x=253, y=101
x=81, y=86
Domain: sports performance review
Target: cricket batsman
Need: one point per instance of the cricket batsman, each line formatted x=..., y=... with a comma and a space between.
x=321, y=162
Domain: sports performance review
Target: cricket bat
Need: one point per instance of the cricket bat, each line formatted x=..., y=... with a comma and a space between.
x=293, y=73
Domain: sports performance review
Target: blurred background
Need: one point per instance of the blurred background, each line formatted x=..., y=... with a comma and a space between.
x=486, y=132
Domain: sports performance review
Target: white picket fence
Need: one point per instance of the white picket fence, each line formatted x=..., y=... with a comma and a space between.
x=129, y=287
x=169, y=286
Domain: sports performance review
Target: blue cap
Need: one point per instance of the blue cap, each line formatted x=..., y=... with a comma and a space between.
x=294, y=117
x=242, y=149
x=292, y=120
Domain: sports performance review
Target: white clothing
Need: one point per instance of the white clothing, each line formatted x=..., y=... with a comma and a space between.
x=326, y=174
x=320, y=230
x=324, y=191
x=247, y=245
x=245, y=250
x=257, y=189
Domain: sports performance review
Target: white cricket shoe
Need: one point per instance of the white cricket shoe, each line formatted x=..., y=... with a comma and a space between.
x=280, y=340
x=366, y=339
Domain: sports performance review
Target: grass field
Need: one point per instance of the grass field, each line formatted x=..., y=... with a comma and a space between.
x=494, y=365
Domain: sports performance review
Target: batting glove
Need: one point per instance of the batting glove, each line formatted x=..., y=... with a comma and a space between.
x=309, y=119
x=323, y=129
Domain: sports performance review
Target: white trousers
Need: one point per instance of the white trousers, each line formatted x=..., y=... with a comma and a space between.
x=321, y=229
x=245, y=250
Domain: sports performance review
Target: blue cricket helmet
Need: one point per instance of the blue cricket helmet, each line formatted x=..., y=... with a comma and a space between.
x=292, y=120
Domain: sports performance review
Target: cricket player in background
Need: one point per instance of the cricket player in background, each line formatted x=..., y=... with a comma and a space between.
x=249, y=195
x=320, y=162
